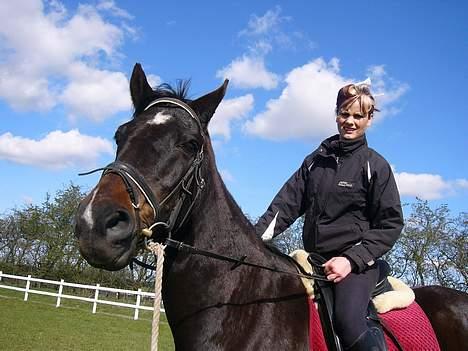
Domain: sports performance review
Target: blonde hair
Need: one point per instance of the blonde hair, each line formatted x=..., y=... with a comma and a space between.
x=351, y=93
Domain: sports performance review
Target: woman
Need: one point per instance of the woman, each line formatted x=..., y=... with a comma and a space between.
x=352, y=213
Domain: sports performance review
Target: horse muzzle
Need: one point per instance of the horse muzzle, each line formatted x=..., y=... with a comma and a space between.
x=106, y=234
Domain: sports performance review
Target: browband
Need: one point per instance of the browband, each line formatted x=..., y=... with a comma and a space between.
x=179, y=103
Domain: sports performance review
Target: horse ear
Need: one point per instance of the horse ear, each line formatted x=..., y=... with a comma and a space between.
x=139, y=87
x=206, y=105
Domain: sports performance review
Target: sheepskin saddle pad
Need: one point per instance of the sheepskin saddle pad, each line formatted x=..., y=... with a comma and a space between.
x=402, y=319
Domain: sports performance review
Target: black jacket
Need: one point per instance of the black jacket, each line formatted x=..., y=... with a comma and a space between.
x=350, y=200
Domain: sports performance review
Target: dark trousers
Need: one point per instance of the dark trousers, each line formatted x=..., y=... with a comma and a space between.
x=352, y=297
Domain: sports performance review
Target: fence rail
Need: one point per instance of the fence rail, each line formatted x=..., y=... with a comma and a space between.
x=95, y=300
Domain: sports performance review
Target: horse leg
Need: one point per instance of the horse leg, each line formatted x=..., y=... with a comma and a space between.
x=447, y=310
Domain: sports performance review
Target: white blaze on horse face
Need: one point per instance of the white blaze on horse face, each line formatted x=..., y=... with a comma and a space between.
x=88, y=212
x=160, y=118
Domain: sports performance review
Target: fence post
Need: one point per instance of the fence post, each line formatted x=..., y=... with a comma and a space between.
x=59, y=296
x=96, y=295
x=137, y=306
x=28, y=283
x=1, y=273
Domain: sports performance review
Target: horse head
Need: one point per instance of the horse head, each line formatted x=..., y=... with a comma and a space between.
x=156, y=177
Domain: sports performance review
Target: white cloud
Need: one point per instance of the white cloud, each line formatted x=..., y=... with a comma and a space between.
x=96, y=94
x=32, y=93
x=249, y=72
x=305, y=108
x=462, y=183
x=40, y=63
x=386, y=89
x=262, y=25
x=273, y=30
x=154, y=80
x=424, y=186
x=228, y=111
x=111, y=7
x=428, y=186
x=262, y=35
x=55, y=151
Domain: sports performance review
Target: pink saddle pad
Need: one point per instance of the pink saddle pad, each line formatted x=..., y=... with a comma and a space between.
x=410, y=325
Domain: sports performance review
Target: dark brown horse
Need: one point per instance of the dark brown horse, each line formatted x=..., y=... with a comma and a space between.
x=165, y=178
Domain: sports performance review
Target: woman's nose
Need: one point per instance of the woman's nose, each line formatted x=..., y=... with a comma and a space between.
x=349, y=120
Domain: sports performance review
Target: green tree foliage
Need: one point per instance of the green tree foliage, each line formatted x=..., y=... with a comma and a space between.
x=432, y=250
x=39, y=240
x=291, y=238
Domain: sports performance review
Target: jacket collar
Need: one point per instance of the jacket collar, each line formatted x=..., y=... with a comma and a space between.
x=340, y=147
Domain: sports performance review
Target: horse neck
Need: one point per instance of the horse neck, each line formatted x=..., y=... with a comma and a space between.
x=218, y=222
x=218, y=225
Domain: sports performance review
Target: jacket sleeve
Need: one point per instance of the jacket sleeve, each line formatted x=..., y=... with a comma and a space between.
x=288, y=205
x=386, y=219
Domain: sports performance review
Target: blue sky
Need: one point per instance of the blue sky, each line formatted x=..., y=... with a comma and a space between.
x=65, y=65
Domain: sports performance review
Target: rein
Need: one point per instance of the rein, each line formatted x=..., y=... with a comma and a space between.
x=180, y=246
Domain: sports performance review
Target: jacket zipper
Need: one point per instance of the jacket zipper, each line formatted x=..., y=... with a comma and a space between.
x=337, y=160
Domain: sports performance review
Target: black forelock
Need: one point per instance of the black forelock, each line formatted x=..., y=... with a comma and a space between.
x=180, y=92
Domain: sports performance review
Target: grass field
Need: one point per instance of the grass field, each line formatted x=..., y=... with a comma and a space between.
x=38, y=325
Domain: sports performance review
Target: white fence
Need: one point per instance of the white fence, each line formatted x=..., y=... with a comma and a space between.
x=95, y=301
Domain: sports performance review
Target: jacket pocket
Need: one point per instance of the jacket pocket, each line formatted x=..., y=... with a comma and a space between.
x=337, y=238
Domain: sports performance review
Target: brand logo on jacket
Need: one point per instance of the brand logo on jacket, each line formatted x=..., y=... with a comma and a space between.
x=345, y=184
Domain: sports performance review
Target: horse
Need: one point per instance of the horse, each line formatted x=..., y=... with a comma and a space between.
x=164, y=181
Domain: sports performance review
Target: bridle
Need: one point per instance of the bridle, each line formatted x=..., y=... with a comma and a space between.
x=191, y=179
x=189, y=186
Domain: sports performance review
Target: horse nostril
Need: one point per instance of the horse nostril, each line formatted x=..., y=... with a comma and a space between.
x=118, y=225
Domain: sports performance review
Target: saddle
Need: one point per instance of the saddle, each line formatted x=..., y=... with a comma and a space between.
x=324, y=299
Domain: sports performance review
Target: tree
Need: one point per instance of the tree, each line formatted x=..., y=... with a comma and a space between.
x=432, y=248
x=39, y=240
x=291, y=238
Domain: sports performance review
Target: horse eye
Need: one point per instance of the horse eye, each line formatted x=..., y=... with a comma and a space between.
x=190, y=146
x=119, y=134
x=117, y=137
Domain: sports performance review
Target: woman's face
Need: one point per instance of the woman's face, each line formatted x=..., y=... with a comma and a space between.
x=351, y=122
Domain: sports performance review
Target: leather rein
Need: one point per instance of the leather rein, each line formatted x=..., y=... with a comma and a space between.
x=192, y=179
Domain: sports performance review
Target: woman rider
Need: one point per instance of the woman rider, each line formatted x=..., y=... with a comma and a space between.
x=353, y=215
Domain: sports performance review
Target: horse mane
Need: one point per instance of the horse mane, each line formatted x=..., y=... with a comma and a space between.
x=179, y=92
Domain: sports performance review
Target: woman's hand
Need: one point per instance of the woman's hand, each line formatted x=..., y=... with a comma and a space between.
x=337, y=268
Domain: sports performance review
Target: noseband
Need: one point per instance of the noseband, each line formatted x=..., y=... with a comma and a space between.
x=190, y=185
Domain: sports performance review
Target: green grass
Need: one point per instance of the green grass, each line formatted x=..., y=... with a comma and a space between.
x=38, y=325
